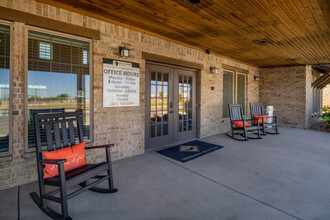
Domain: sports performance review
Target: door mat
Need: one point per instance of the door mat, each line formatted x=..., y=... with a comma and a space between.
x=189, y=151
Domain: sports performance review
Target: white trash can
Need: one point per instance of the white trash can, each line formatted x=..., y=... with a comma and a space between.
x=270, y=113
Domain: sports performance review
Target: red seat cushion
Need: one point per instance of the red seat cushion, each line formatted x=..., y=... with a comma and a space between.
x=239, y=124
x=260, y=119
x=74, y=155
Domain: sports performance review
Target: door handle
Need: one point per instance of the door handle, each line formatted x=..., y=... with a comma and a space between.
x=171, y=105
x=171, y=111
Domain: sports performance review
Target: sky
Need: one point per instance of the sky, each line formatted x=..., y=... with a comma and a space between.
x=55, y=83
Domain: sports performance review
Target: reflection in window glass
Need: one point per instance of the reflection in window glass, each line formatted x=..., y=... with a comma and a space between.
x=241, y=90
x=85, y=60
x=61, y=83
x=228, y=95
x=45, y=51
x=159, y=104
x=185, y=100
x=4, y=88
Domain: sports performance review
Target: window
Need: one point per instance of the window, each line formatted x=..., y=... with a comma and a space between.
x=234, y=90
x=58, y=78
x=4, y=88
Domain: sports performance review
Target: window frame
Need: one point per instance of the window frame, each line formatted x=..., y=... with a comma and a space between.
x=235, y=76
x=11, y=77
x=26, y=115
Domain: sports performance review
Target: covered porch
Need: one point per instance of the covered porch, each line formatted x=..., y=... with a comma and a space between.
x=279, y=177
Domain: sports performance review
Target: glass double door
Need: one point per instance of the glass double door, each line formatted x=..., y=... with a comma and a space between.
x=171, y=105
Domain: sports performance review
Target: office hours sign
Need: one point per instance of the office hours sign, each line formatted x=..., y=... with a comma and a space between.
x=121, y=83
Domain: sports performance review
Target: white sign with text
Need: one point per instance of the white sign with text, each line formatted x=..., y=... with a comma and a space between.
x=121, y=83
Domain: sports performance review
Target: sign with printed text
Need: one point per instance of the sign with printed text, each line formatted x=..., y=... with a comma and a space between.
x=121, y=83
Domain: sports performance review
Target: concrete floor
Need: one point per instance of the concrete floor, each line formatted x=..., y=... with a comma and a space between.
x=284, y=176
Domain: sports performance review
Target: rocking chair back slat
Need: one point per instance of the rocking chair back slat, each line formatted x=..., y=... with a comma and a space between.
x=79, y=126
x=71, y=132
x=59, y=130
x=57, y=136
x=256, y=109
x=235, y=112
x=49, y=137
x=64, y=134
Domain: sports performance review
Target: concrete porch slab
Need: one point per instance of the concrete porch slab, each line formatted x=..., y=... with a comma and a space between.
x=284, y=176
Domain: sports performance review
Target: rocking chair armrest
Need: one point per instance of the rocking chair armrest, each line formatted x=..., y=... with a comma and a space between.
x=100, y=146
x=58, y=161
x=272, y=117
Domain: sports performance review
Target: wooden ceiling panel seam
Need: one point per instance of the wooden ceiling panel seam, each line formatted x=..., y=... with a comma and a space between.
x=227, y=25
x=291, y=24
x=277, y=16
x=227, y=54
x=325, y=10
x=321, y=46
x=269, y=29
x=168, y=35
x=318, y=46
x=297, y=30
x=297, y=54
x=319, y=21
x=273, y=46
x=237, y=39
x=131, y=27
x=314, y=23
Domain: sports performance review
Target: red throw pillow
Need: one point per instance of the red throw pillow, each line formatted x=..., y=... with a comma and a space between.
x=260, y=119
x=239, y=124
x=75, y=157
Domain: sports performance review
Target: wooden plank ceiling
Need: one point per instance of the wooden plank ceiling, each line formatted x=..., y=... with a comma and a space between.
x=259, y=32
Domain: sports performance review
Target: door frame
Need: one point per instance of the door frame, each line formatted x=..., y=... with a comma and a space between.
x=147, y=99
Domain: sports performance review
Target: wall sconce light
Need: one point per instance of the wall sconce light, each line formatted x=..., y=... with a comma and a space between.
x=213, y=70
x=124, y=52
x=256, y=78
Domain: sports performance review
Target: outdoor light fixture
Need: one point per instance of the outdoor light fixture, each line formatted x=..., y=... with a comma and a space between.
x=256, y=78
x=213, y=70
x=124, y=52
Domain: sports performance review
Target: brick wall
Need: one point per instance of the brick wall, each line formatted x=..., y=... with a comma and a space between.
x=326, y=96
x=122, y=126
x=285, y=89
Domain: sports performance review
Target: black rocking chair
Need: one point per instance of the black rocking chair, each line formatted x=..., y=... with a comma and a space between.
x=258, y=109
x=65, y=129
x=236, y=114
